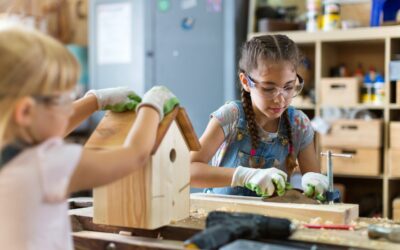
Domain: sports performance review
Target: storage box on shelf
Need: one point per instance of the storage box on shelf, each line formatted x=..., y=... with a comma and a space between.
x=394, y=151
x=362, y=139
x=365, y=161
x=340, y=90
x=396, y=209
x=354, y=133
x=398, y=92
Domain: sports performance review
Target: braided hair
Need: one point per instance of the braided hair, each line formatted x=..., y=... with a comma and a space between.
x=274, y=49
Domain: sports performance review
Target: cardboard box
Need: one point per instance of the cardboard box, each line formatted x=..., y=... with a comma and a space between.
x=398, y=92
x=365, y=161
x=340, y=91
x=394, y=163
x=394, y=135
x=396, y=209
x=354, y=133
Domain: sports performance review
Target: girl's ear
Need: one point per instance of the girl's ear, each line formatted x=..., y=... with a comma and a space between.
x=24, y=110
x=244, y=81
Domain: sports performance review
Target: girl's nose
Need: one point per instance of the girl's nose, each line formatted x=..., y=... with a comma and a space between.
x=279, y=98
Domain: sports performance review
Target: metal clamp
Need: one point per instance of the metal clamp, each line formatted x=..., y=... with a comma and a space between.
x=330, y=193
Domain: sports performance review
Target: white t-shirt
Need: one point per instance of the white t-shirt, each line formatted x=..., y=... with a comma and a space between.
x=33, y=205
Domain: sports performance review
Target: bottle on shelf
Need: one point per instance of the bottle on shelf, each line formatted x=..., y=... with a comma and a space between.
x=331, y=15
x=313, y=15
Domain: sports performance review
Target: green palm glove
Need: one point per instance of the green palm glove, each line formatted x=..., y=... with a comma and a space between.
x=265, y=182
x=129, y=104
x=315, y=185
x=115, y=99
x=160, y=98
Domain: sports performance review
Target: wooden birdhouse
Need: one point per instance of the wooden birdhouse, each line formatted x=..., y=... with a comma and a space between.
x=157, y=194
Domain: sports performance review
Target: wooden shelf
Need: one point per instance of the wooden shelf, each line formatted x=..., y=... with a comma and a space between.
x=357, y=34
x=394, y=106
x=358, y=106
x=377, y=177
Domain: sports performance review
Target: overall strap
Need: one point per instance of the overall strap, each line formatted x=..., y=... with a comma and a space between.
x=282, y=125
x=242, y=124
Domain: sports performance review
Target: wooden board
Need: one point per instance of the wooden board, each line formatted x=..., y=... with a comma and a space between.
x=337, y=214
x=187, y=130
x=97, y=240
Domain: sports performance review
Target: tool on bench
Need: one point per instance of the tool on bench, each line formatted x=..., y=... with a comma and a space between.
x=379, y=231
x=332, y=195
x=326, y=226
x=224, y=227
x=292, y=196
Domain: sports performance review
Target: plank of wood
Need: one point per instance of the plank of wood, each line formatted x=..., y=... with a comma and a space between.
x=82, y=220
x=187, y=130
x=97, y=240
x=163, y=128
x=337, y=213
x=111, y=131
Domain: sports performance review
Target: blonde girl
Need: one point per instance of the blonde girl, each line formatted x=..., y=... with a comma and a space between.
x=38, y=170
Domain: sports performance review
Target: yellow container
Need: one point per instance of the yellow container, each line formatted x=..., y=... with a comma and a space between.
x=331, y=15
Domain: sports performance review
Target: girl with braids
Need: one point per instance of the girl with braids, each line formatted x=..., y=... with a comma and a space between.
x=38, y=170
x=257, y=142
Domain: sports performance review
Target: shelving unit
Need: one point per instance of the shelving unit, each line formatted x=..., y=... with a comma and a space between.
x=372, y=46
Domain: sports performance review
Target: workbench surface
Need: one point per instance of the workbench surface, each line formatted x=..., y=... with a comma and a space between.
x=92, y=236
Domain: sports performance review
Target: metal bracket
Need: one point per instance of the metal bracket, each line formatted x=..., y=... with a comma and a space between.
x=331, y=195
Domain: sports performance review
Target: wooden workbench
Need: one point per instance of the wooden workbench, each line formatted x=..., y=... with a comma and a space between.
x=92, y=236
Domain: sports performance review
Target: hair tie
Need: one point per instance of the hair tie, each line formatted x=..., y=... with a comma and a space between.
x=290, y=148
x=252, y=152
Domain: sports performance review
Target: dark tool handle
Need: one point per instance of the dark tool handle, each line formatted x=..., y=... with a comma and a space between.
x=376, y=232
x=223, y=227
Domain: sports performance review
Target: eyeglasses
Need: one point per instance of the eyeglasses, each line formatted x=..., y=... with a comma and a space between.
x=270, y=91
x=56, y=100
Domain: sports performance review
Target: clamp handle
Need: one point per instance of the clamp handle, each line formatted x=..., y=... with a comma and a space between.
x=330, y=194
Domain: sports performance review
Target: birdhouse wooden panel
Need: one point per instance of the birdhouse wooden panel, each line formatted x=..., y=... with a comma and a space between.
x=157, y=194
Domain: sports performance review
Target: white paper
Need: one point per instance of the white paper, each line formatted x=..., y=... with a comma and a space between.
x=114, y=40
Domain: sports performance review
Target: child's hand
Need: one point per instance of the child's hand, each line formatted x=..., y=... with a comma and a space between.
x=262, y=181
x=160, y=98
x=315, y=185
x=116, y=99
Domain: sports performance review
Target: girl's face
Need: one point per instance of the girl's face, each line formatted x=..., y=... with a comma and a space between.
x=47, y=117
x=271, y=87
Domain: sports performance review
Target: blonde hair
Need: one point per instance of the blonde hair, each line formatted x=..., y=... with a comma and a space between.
x=31, y=63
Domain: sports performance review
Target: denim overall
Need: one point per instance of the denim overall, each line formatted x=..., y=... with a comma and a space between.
x=235, y=151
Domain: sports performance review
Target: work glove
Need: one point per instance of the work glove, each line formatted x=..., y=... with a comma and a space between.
x=262, y=181
x=118, y=99
x=160, y=98
x=315, y=185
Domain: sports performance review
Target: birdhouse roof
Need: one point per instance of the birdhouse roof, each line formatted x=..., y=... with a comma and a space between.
x=114, y=128
x=185, y=126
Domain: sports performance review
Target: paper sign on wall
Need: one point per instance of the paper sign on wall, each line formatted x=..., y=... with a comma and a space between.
x=114, y=41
